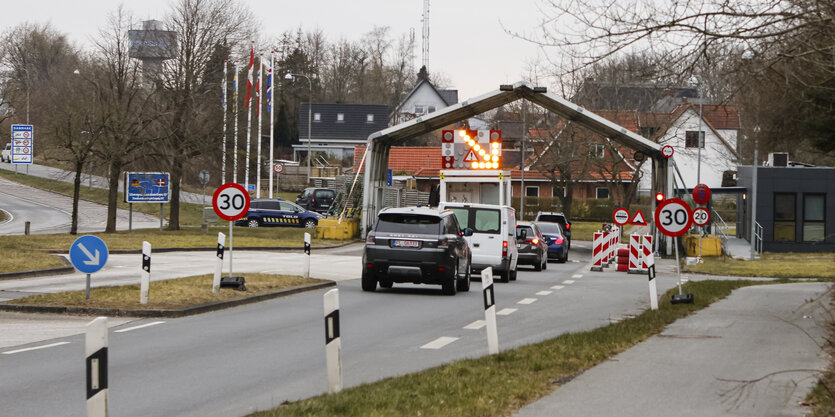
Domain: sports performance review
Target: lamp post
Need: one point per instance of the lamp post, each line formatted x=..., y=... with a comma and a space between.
x=290, y=76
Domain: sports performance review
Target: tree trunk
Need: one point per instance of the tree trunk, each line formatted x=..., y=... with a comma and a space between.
x=76, y=190
x=113, y=193
x=176, y=175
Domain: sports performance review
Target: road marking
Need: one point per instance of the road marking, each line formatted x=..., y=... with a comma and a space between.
x=439, y=342
x=506, y=311
x=141, y=326
x=558, y=287
x=476, y=325
x=35, y=348
x=546, y=292
x=526, y=301
x=568, y=281
x=577, y=276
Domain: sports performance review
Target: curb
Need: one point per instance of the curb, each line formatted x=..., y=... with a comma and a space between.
x=170, y=313
x=39, y=272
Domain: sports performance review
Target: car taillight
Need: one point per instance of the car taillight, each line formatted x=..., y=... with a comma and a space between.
x=370, y=239
x=558, y=241
x=535, y=241
x=567, y=226
x=443, y=243
x=504, y=248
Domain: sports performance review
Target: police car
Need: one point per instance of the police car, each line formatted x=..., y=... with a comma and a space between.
x=278, y=212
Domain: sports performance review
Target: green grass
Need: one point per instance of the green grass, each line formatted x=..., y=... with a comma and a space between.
x=584, y=230
x=499, y=385
x=173, y=293
x=776, y=265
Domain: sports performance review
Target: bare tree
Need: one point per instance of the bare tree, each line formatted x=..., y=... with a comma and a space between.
x=561, y=157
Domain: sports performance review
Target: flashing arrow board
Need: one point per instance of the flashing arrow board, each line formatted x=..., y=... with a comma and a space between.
x=147, y=187
x=88, y=254
x=23, y=143
x=471, y=149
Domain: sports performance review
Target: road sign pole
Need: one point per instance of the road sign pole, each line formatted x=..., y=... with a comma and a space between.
x=678, y=266
x=221, y=241
x=130, y=217
x=160, y=216
x=87, y=296
x=230, y=248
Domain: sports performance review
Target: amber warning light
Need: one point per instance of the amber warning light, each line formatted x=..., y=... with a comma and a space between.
x=471, y=149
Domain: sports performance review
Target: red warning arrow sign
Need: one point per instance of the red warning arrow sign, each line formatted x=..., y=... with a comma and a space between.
x=471, y=157
x=638, y=219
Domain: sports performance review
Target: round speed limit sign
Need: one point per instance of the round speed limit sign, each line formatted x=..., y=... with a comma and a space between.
x=701, y=216
x=673, y=217
x=230, y=201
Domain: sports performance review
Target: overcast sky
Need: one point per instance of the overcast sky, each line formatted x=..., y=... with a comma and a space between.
x=467, y=44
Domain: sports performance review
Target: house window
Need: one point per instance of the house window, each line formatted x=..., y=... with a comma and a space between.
x=814, y=224
x=601, y=192
x=691, y=139
x=369, y=118
x=531, y=191
x=317, y=117
x=784, y=217
x=340, y=117
x=597, y=150
x=430, y=109
x=418, y=109
x=558, y=192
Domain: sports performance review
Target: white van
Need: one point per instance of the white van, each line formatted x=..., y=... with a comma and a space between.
x=493, y=243
x=6, y=156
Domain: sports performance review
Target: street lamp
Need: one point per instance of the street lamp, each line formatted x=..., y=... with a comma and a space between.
x=290, y=76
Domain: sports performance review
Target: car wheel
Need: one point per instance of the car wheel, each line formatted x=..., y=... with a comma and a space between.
x=254, y=223
x=384, y=283
x=537, y=266
x=369, y=283
x=464, y=284
x=504, y=276
x=545, y=263
x=450, y=285
x=512, y=274
x=309, y=223
x=564, y=258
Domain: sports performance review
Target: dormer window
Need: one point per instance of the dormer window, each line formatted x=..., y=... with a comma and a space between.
x=340, y=117
x=317, y=117
x=418, y=109
x=369, y=118
x=430, y=109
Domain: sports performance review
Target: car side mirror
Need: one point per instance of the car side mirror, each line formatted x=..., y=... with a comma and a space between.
x=468, y=232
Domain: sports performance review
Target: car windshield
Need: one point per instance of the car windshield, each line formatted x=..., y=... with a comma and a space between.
x=481, y=220
x=528, y=231
x=409, y=223
x=551, y=218
x=549, y=228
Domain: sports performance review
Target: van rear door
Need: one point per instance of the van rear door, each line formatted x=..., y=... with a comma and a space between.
x=486, y=241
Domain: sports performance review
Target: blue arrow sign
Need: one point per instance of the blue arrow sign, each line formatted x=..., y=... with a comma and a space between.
x=88, y=254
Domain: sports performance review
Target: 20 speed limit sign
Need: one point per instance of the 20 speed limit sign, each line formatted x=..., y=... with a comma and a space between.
x=231, y=201
x=701, y=216
x=673, y=217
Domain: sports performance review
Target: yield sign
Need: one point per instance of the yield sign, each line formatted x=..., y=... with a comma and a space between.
x=471, y=157
x=638, y=219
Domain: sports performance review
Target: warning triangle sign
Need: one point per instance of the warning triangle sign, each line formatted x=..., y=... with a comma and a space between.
x=471, y=157
x=638, y=219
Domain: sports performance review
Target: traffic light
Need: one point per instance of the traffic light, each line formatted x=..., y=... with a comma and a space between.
x=659, y=197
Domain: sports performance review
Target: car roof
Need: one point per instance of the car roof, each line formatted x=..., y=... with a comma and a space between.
x=267, y=199
x=429, y=211
x=524, y=224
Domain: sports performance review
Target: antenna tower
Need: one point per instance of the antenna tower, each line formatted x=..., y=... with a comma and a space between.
x=425, y=20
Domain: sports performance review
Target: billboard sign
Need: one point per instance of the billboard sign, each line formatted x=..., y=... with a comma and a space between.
x=23, y=144
x=147, y=187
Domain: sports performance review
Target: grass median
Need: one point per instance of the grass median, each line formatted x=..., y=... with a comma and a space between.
x=773, y=265
x=499, y=385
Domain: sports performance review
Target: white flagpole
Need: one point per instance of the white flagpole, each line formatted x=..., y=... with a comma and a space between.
x=272, y=118
x=235, y=115
x=223, y=161
x=248, y=141
x=258, y=159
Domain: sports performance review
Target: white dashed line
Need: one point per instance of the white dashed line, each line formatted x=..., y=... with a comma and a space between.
x=577, y=276
x=526, y=301
x=141, y=326
x=568, y=281
x=35, y=348
x=558, y=287
x=506, y=311
x=476, y=325
x=439, y=342
x=546, y=292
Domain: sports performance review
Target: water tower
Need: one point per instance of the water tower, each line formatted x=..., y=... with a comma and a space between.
x=152, y=45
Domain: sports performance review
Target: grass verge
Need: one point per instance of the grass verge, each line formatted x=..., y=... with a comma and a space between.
x=584, y=230
x=776, y=265
x=499, y=385
x=167, y=294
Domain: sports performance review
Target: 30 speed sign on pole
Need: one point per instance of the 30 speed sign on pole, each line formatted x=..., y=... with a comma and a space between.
x=231, y=202
x=673, y=217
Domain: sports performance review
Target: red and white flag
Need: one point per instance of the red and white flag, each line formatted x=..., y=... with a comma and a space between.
x=248, y=95
x=258, y=86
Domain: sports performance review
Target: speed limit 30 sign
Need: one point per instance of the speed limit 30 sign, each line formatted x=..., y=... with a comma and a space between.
x=673, y=217
x=230, y=201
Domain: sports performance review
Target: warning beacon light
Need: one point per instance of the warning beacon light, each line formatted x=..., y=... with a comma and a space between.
x=471, y=149
x=659, y=197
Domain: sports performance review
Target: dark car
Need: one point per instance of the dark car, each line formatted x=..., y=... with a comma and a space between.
x=278, y=212
x=532, y=247
x=316, y=199
x=557, y=245
x=417, y=245
x=560, y=218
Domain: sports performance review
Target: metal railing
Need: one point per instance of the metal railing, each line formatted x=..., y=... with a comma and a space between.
x=758, y=238
x=721, y=231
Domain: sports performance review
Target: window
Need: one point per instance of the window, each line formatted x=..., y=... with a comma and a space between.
x=287, y=206
x=369, y=118
x=597, y=150
x=532, y=191
x=784, y=217
x=813, y=217
x=450, y=226
x=559, y=191
x=408, y=223
x=430, y=109
x=478, y=219
x=601, y=192
x=340, y=117
x=418, y=109
x=691, y=139
x=317, y=117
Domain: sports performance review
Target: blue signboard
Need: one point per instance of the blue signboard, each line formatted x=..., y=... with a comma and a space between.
x=23, y=144
x=388, y=177
x=88, y=254
x=147, y=187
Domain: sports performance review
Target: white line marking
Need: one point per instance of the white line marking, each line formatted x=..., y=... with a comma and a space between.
x=546, y=292
x=558, y=287
x=476, y=325
x=35, y=348
x=568, y=281
x=439, y=342
x=141, y=326
x=526, y=301
x=506, y=311
x=577, y=276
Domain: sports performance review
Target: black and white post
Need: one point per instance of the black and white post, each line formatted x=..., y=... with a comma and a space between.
x=145, y=279
x=490, y=311
x=333, y=343
x=221, y=242
x=307, y=255
x=653, y=291
x=96, y=358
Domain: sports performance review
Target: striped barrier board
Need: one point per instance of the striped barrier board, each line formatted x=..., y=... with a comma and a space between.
x=597, y=252
x=647, y=258
x=635, y=252
x=605, y=249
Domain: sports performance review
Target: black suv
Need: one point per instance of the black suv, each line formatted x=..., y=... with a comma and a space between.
x=418, y=245
x=316, y=199
x=544, y=216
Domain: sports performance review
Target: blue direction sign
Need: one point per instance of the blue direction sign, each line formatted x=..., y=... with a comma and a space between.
x=22, y=144
x=147, y=187
x=88, y=254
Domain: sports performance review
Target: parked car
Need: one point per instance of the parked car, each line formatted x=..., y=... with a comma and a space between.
x=532, y=247
x=316, y=199
x=557, y=245
x=544, y=216
x=493, y=242
x=418, y=245
x=6, y=156
x=278, y=212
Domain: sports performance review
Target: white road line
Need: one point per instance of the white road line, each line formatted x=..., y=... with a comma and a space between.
x=526, y=301
x=439, y=342
x=558, y=287
x=545, y=292
x=35, y=348
x=506, y=311
x=476, y=325
x=577, y=276
x=568, y=281
x=141, y=326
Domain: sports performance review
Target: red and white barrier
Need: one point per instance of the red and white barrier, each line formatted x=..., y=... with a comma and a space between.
x=635, y=252
x=597, y=252
x=647, y=258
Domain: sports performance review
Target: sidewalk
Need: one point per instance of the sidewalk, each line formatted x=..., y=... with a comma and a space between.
x=697, y=366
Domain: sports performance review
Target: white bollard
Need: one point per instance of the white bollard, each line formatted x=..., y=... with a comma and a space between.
x=307, y=252
x=221, y=241
x=648, y=262
x=145, y=279
x=96, y=359
x=490, y=311
x=333, y=342
x=653, y=291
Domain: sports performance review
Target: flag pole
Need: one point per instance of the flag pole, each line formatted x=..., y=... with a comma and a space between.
x=258, y=112
x=271, y=103
x=248, y=99
x=235, y=115
x=223, y=149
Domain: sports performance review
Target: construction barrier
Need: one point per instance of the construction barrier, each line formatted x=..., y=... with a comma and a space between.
x=331, y=228
x=647, y=258
x=597, y=252
x=635, y=252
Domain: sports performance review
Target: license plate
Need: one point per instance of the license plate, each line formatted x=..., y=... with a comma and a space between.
x=406, y=243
